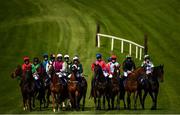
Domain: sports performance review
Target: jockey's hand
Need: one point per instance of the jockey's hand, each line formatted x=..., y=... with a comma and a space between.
x=110, y=76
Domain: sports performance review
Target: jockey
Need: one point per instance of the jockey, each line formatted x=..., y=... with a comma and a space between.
x=27, y=65
x=112, y=64
x=51, y=62
x=44, y=64
x=128, y=66
x=35, y=66
x=100, y=62
x=147, y=64
x=66, y=66
x=78, y=65
x=45, y=61
x=58, y=65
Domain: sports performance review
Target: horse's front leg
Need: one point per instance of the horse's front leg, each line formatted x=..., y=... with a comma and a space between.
x=53, y=101
x=77, y=100
x=118, y=101
x=153, y=100
x=128, y=100
x=104, y=102
x=135, y=99
x=84, y=98
x=140, y=97
x=144, y=97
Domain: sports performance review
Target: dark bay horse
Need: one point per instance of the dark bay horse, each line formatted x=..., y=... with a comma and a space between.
x=40, y=91
x=58, y=91
x=83, y=90
x=99, y=87
x=27, y=86
x=132, y=85
x=114, y=88
x=74, y=89
x=151, y=85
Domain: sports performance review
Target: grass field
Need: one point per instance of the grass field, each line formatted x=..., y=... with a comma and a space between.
x=32, y=27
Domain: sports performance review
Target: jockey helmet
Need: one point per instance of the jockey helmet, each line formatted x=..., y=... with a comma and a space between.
x=113, y=57
x=75, y=58
x=36, y=59
x=98, y=56
x=109, y=59
x=146, y=57
x=26, y=58
x=59, y=55
x=52, y=56
x=45, y=55
x=66, y=56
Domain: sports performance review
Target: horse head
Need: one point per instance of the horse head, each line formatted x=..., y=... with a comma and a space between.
x=116, y=71
x=159, y=72
x=16, y=72
x=98, y=72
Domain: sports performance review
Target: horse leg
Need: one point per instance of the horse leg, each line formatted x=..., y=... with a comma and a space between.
x=153, y=100
x=112, y=102
x=108, y=100
x=135, y=99
x=99, y=102
x=77, y=100
x=128, y=100
x=84, y=98
x=118, y=101
x=104, y=102
x=95, y=102
x=24, y=103
x=53, y=101
x=144, y=97
x=47, y=97
x=140, y=97
x=30, y=108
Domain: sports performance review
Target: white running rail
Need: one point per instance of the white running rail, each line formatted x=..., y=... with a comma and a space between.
x=139, y=48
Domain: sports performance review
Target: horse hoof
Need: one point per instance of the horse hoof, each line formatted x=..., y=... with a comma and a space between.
x=54, y=110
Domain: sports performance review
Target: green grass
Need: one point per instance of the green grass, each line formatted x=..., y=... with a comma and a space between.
x=32, y=27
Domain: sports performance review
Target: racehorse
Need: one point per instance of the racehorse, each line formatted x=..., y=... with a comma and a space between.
x=83, y=90
x=74, y=89
x=99, y=87
x=114, y=88
x=27, y=86
x=41, y=90
x=58, y=91
x=151, y=85
x=132, y=85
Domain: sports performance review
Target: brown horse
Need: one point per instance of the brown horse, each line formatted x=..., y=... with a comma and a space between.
x=27, y=86
x=114, y=89
x=132, y=85
x=99, y=87
x=74, y=89
x=151, y=85
x=58, y=91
